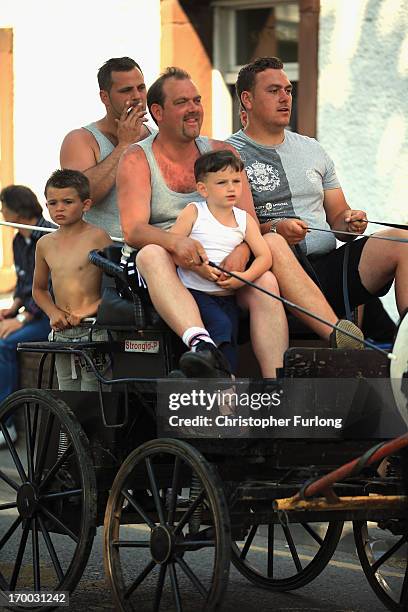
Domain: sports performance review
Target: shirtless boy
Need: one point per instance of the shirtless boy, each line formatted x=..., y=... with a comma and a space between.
x=220, y=226
x=76, y=282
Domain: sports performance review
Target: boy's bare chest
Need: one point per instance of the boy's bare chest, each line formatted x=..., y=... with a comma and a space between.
x=68, y=259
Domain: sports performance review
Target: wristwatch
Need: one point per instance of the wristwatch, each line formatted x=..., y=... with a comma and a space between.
x=274, y=223
x=21, y=318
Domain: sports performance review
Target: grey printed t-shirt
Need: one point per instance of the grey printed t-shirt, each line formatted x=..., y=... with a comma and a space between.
x=289, y=180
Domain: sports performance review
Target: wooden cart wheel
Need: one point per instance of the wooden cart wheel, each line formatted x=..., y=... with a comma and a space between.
x=47, y=495
x=383, y=557
x=167, y=532
x=270, y=558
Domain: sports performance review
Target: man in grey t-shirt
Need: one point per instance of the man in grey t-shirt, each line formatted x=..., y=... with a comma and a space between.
x=292, y=176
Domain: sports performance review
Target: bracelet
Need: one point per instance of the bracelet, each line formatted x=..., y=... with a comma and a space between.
x=274, y=223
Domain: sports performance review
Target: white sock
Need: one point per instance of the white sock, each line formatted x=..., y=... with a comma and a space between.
x=193, y=335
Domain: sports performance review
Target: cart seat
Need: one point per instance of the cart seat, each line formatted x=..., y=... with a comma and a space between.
x=123, y=306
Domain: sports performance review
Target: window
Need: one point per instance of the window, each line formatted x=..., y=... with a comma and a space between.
x=245, y=30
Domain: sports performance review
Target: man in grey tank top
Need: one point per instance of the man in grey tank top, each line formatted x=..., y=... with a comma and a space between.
x=292, y=176
x=155, y=181
x=96, y=148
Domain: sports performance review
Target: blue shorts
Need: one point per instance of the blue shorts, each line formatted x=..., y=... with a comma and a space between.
x=220, y=315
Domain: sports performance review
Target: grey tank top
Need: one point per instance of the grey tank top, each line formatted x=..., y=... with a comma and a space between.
x=105, y=214
x=165, y=203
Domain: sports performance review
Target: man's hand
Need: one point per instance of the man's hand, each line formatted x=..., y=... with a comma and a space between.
x=356, y=220
x=188, y=253
x=6, y=313
x=8, y=326
x=230, y=282
x=59, y=320
x=130, y=124
x=207, y=272
x=293, y=230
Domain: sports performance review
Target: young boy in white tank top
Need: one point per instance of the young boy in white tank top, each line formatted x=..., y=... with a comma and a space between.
x=219, y=226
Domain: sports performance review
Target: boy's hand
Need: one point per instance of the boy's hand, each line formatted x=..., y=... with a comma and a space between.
x=230, y=283
x=8, y=326
x=357, y=221
x=74, y=319
x=59, y=320
x=207, y=272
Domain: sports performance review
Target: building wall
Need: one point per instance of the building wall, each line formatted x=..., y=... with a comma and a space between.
x=363, y=102
x=58, y=47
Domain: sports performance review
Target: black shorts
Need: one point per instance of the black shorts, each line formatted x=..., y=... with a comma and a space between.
x=329, y=271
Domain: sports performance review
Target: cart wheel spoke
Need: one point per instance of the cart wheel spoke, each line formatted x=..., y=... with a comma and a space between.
x=191, y=575
x=61, y=494
x=57, y=522
x=313, y=533
x=19, y=557
x=375, y=566
x=139, y=579
x=51, y=549
x=29, y=445
x=159, y=588
x=10, y=532
x=248, y=541
x=271, y=548
x=61, y=460
x=138, y=509
x=188, y=514
x=36, y=555
x=155, y=491
x=13, y=452
x=41, y=452
x=174, y=489
x=8, y=506
x=404, y=592
x=292, y=548
x=131, y=543
x=9, y=481
x=175, y=587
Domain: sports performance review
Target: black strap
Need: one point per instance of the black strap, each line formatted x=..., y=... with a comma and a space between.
x=306, y=264
x=346, y=295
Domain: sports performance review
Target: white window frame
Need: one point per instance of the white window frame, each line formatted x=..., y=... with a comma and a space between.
x=225, y=37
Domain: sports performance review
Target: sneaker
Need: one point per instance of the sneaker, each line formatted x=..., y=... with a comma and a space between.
x=342, y=341
x=12, y=433
x=206, y=361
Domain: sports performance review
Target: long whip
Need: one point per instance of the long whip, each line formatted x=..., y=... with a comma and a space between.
x=44, y=230
x=305, y=311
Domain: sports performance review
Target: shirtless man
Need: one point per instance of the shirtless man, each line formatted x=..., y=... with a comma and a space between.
x=155, y=181
x=96, y=148
x=76, y=282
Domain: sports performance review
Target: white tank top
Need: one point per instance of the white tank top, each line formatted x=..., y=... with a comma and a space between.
x=218, y=241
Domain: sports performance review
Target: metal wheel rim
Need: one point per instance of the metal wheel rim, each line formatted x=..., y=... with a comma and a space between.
x=303, y=575
x=39, y=529
x=376, y=580
x=214, y=494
